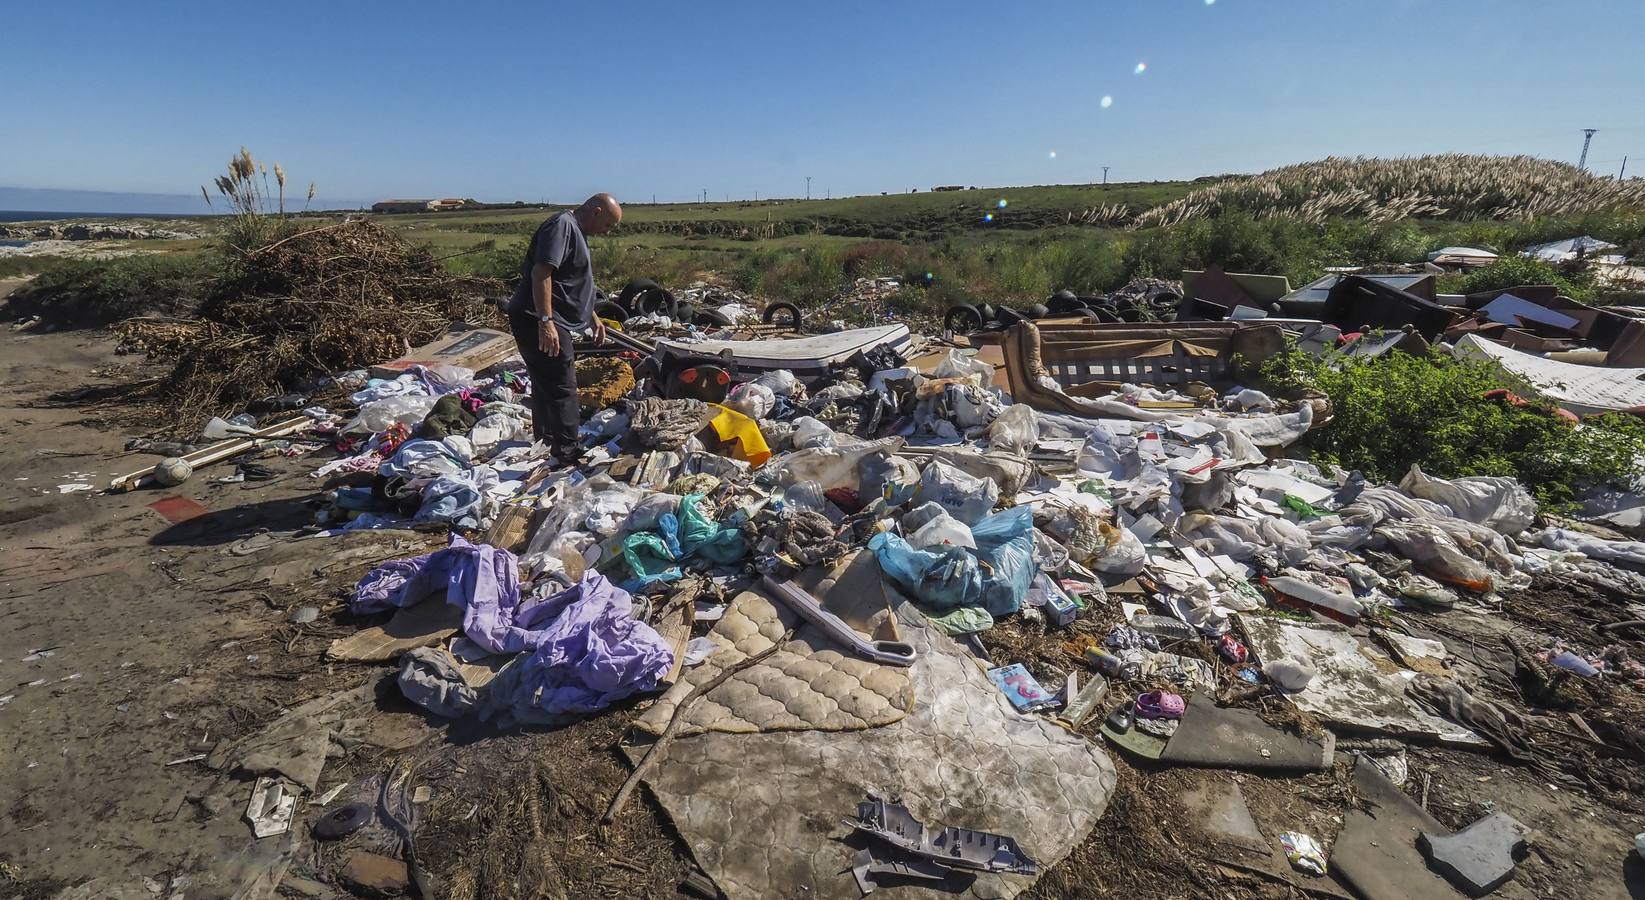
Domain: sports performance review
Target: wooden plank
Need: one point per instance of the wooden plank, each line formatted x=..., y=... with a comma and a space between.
x=216, y=452
x=675, y=628
x=509, y=530
x=423, y=625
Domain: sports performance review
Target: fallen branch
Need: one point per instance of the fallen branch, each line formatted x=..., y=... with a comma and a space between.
x=655, y=753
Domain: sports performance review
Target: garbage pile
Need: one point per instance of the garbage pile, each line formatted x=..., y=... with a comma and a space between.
x=321, y=301
x=803, y=546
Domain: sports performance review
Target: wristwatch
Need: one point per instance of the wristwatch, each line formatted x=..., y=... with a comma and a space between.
x=544, y=317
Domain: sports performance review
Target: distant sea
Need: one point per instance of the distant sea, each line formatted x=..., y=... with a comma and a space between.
x=35, y=215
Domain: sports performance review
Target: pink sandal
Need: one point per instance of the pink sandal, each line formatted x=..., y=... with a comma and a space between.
x=1160, y=705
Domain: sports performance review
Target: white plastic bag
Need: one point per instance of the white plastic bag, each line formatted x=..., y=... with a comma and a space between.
x=1430, y=547
x=646, y=512
x=1499, y=504
x=1289, y=674
x=811, y=434
x=780, y=382
x=958, y=365
x=1124, y=554
x=944, y=529
x=379, y=414
x=752, y=399
x=966, y=498
x=1014, y=430
x=608, y=509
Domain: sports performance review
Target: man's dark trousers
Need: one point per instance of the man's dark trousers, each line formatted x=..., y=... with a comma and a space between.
x=554, y=410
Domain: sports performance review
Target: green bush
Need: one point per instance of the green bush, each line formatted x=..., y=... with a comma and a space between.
x=90, y=293
x=1512, y=271
x=1399, y=409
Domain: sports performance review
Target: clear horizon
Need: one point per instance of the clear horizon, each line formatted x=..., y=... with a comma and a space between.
x=379, y=101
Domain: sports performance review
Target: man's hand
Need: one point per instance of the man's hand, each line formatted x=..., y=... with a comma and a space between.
x=548, y=338
x=599, y=330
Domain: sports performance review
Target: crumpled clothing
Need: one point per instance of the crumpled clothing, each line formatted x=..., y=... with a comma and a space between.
x=458, y=499
x=591, y=653
x=429, y=459
x=429, y=677
x=806, y=536
x=441, y=379
x=695, y=483
x=364, y=462
x=659, y=424
x=481, y=579
x=1502, y=726
x=448, y=417
x=392, y=438
x=379, y=389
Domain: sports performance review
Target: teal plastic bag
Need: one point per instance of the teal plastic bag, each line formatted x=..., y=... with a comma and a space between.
x=652, y=556
x=703, y=537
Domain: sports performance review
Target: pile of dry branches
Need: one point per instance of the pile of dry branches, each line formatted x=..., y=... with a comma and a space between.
x=318, y=302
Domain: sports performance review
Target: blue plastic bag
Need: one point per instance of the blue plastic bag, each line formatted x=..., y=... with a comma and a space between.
x=995, y=576
x=1005, y=541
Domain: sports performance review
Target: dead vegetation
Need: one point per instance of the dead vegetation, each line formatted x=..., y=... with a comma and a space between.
x=1448, y=186
x=321, y=301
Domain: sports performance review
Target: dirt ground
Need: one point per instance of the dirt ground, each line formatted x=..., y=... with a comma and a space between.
x=130, y=645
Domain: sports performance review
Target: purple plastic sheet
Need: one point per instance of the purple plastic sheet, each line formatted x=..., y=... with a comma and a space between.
x=587, y=649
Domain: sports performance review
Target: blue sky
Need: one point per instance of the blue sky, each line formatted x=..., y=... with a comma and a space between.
x=512, y=100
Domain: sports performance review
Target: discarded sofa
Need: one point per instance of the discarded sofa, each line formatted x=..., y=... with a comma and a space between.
x=1089, y=361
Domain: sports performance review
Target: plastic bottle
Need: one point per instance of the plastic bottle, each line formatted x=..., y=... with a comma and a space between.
x=1164, y=627
x=808, y=433
x=1306, y=595
x=804, y=495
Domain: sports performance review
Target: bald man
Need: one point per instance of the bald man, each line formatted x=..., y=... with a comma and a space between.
x=555, y=297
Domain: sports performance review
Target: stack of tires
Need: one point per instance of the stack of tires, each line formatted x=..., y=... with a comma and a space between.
x=644, y=297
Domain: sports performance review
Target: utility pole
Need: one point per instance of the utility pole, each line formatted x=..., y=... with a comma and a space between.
x=1623, y=169
x=808, y=187
x=653, y=199
x=1587, y=137
x=1104, y=176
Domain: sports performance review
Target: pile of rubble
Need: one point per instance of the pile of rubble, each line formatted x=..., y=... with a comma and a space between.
x=817, y=553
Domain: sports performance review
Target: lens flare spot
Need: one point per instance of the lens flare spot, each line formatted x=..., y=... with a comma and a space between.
x=1002, y=203
x=1053, y=154
x=1210, y=2
x=1141, y=68
x=1107, y=102
x=988, y=217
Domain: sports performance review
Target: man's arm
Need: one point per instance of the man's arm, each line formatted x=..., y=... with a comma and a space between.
x=542, y=299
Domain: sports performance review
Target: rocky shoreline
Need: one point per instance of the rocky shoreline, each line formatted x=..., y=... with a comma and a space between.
x=90, y=231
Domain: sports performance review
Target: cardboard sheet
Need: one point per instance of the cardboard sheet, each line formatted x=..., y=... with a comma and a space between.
x=463, y=345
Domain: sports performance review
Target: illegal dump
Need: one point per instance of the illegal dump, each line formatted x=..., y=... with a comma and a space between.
x=1207, y=587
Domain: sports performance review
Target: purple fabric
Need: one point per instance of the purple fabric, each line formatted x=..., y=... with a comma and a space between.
x=588, y=649
x=592, y=652
x=483, y=580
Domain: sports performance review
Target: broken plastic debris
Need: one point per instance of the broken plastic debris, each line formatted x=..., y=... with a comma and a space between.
x=270, y=808
x=1305, y=853
x=892, y=822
